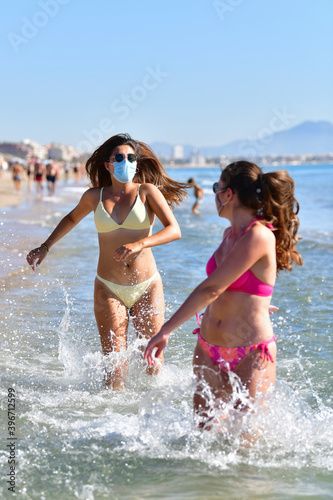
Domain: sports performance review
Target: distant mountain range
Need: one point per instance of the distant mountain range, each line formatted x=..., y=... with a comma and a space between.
x=306, y=138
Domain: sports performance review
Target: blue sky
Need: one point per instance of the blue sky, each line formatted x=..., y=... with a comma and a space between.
x=186, y=72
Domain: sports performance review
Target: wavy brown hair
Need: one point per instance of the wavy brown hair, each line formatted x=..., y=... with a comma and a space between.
x=149, y=168
x=271, y=195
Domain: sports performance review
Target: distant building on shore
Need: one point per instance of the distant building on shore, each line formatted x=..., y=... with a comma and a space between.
x=197, y=158
x=178, y=152
x=60, y=152
x=28, y=149
x=36, y=149
x=15, y=149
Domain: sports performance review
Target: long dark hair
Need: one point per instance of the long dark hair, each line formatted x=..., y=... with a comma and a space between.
x=271, y=195
x=149, y=168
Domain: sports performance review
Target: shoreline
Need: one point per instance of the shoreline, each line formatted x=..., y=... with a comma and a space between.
x=271, y=164
x=9, y=198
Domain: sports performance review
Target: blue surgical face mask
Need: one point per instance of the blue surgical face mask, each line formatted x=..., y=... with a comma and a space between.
x=124, y=171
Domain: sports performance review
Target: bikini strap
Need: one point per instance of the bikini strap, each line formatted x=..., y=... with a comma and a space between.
x=246, y=229
x=263, y=346
x=226, y=236
x=268, y=224
x=258, y=220
x=249, y=226
x=100, y=194
x=199, y=316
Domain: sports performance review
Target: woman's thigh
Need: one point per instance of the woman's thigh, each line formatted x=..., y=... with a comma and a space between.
x=211, y=380
x=111, y=318
x=148, y=312
x=257, y=373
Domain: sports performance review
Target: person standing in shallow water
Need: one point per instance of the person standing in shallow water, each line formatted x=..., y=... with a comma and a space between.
x=39, y=171
x=52, y=171
x=198, y=193
x=236, y=335
x=130, y=188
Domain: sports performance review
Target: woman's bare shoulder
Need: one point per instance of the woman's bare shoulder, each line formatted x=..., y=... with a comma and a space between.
x=149, y=191
x=91, y=196
x=148, y=188
x=260, y=233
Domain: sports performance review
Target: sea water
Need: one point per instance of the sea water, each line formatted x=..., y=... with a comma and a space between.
x=74, y=439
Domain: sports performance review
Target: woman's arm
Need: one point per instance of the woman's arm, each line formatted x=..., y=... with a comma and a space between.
x=161, y=209
x=253, y=246
x=83, y=208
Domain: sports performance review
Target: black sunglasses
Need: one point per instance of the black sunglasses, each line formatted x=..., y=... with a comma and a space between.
x=119, y=157
x=216, y=189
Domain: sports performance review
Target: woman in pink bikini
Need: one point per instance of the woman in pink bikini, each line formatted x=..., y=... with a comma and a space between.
x=236, y=333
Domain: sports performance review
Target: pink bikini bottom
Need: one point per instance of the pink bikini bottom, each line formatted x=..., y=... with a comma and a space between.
x=227, y=358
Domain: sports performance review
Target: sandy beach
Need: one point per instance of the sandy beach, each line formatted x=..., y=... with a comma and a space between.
x=8, y=196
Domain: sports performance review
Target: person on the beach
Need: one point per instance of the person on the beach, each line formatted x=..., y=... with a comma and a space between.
x=66, y=171
x=2, y=165
x=198, y=194
x=236, y=335
x=51, y=177
x=130, y=188
x=39, y=172
x=30, y=173
x=18, y=173
x=76, y=171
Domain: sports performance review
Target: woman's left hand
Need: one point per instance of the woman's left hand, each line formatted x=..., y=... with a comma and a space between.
x=123, y=252
x=159, y=341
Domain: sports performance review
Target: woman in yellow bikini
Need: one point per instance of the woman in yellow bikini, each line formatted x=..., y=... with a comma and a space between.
x=130, y=188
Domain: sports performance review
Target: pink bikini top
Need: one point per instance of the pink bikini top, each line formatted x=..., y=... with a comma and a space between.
x=247, y=282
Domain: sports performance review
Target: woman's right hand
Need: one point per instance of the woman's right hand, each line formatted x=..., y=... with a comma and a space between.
x=36, y=257
x=272, y=309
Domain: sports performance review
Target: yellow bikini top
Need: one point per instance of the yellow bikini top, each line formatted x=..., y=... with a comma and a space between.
x=138, y=217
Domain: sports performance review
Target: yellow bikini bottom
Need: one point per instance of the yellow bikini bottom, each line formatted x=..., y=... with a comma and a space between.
x=129, y=294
